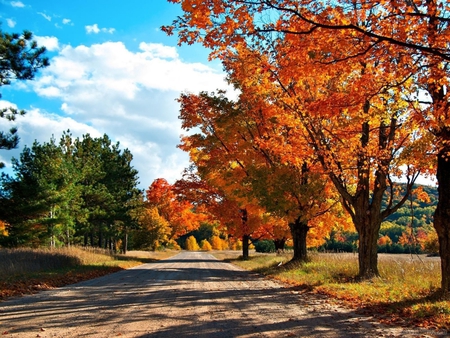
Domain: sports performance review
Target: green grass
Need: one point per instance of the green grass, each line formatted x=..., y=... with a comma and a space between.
x=407, y=288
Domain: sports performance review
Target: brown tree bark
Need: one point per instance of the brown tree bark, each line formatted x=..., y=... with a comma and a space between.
x=245, y=246
x=125, y=242
x=279, y=244
x=299, y=231
x=442, y=213
x=368, y=251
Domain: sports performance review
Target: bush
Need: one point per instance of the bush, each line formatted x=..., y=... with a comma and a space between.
x=191, y=244
x=265, y=246
x=205, y=245
x=216, y=243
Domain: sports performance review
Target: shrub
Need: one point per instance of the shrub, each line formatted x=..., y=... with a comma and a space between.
x=191, y=244
x=216, y=243
x=265, y=246
x=205, y=245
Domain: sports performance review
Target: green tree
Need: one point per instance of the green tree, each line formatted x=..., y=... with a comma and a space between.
x=20, y=59
x=83, y=186
x=109, y=191
x=40, y=204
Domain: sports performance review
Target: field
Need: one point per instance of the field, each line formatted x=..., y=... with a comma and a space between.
x=405, y=293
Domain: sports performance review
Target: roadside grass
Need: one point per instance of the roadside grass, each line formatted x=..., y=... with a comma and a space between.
x=26, y=271
x=407, y=292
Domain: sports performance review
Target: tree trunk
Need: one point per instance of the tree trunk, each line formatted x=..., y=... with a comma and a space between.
x=368, y=250
x=442, y=214
x=100, y=239
x=125, y=243
x=279, y=244
x=68, y=237
x=245, y=237
x=245, y=246
x=299, y=231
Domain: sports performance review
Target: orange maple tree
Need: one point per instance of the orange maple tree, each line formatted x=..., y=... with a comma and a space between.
x=406, y=46
x=229, y=155
x=181, y=216
x=357, y=125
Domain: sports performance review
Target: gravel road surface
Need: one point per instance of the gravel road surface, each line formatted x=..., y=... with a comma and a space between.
x=189, y=295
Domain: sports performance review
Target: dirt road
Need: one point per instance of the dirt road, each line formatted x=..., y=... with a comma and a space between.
x=189, y=295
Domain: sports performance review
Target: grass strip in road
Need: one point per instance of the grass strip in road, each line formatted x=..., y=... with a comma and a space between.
x=407, y=293
x=27, y=271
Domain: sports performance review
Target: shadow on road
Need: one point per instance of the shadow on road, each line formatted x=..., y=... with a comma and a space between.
x=185, y=296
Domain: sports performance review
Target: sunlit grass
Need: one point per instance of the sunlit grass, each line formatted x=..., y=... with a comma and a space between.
x=407, y=286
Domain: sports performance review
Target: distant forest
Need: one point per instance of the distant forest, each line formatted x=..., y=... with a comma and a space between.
x=409, y=230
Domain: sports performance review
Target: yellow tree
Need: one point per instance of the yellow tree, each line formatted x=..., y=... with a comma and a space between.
x=191, y=244
x=153, y=229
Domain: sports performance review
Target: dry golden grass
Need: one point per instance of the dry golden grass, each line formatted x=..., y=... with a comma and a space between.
x=149, y=255
x=26, y=271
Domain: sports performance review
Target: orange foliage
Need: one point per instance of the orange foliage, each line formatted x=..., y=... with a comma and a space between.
x=337, y=88
x=384, y=240
x=181, y=215
x=3, y=229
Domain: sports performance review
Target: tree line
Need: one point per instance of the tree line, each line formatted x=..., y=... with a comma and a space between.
x=78, y=191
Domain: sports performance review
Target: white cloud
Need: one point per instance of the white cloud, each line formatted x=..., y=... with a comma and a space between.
x=11, y=23
x=131, y=96
x=67, y=21
x=40, y=126
x=49, y=42
x=158, y=50
x=92, y=29
x=95, y=29
x=17, y=4
x=45, y=16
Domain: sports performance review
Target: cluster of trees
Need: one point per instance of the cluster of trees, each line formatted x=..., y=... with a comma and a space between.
x=191, y=216
x=165, y=217
x=338, y=98
x=80, y=191
x=77, y=191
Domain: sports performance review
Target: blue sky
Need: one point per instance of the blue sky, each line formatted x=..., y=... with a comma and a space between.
x=111, y=71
